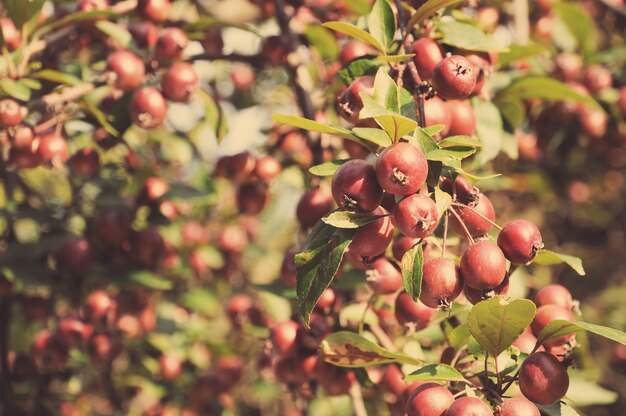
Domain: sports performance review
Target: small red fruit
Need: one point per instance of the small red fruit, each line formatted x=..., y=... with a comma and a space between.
x=517, y=406
x=474, y=217
x=543, y=379
x=74, y=257
x=103, y=348
x=545, y=315
x=353, y=50
x=429, y=399
x=99, y=307
x=441, y=282
x=145, y=33
x=179, y=82
x=148, y=248
x=402, y=244
x=474, y=296
x=416, y=216
x=462, y=190
x=53, y=148
x=10, y=34
x=128, y=69
x=469, y=406
x=252, y=198
x=113, y=226
x=237, y=167
x=148, y=108
x=401, y=169
x=350, y=103
x=86, y=161
x=233, y=239
x=427, y=55
x=454, y=78
x=313, y=206
x=355, y=187
x=520, y=241
x=267, y=168
x=384, y=277
x=597, y=78
x=284, y=337
x=555, y=295
x=21, y=137
x=171, y=366
x=436, y=112
x=483, y=265
x=373, y=238
x=155, y=10
x=413, y=314
x=462, y=118
x=171, y=43
x=11, y=113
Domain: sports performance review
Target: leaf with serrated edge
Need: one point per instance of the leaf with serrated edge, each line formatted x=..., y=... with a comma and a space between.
x=436, y=372
x=355, y=32
x=349, y=219
x=318, y=264
x=411, y=264
x=560, y=327
x=327, y=168
x=496, y=324
x=311, y=125
x=348, y=349
x=550, y=258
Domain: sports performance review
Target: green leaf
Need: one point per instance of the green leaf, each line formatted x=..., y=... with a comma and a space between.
x=311, y=125
x=513, y=111
x=556, y=409
x=434, y=172
x=356, y=313
x=579, y=23
x=466, y=36
x=56, y=76
x=428, y=9
x=15, y=89
x=349, y=219
x=433, y=130
x=150, y=280
x=355, y=32
x=377, y=136
x=436, y=372
x=450, y=154
x=473, y=176
x=115, y=32
x=459, y=141
x=535, y=86
x=382, y=23
x=72, y=18
x=202, y=300
x=318, y=264
x=348, y=349
x=327, y=168
x=560, y=327
x=588, y=393
x=20, y=11
x=423, y=139
x=443, y=201
x=213, y=115
x=517, y=52
x=358, y=68
x=92, y=109
x=411, y=266
x=489, y=129
x=549, y=258
x=386, y=91
x=496, y=324
x=322, y=40
x=30, y=83
x=459, y=336
x=358, y=7
x=395, y=58
x=394, y=124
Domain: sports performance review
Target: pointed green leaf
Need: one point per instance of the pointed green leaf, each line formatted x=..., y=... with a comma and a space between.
x=535, y=86
x=311, y=125
x=115, y=32
x=474, y=177
x=559, y=328
x=15, y=89
x=150, y=280
x=436, y=372
x=348, y=349
x=411, y=265
x=428, y=9
x=395, y=58
x=377, y=136
x=496, y=324
x=323, y=40
x=549, y=258
x=349, y=219
x=382, y=23
x=450, y=154
x=20, y=11
x=442, y=200
x=423, y=139
x=355, y=32
x=466, y=36
x=318, y=264
x=459, y=141
x=57, y=77
x=394, y=124
x=517, y=52
x=556, y=409
x=358, y=68
x=579, y=23
x=489, y=129
x=327, y=168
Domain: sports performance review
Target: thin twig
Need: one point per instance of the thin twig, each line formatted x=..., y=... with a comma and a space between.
x=357, y=399
x=63, y=95
x=458, y=204
x=382, y=336
x=446, y=216
x=467, y=233
x=254, y=60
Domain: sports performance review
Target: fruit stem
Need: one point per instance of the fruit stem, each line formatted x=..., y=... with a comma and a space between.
x=495, y=359
x=458, y=204
x=369, y=303
x=356, y=396
x=467, y=233
x=446, y=216
x=382, y=336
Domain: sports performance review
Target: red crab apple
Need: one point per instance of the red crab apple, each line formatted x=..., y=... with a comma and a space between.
x=427, y=55
x=148, y=108
x=128, y=69
x=401, y=169
x=171, y=43
x=429, y=399
x=441, y=282
x=179, y=82
x=483, y=265
x=416, y=216
x=543, y=379
x=373, y=238
x=411, y=313
x=384, y=277
x=469, y=406
x=354, y=186
x=454, y=78
x=155, y=10
x=520, y=241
